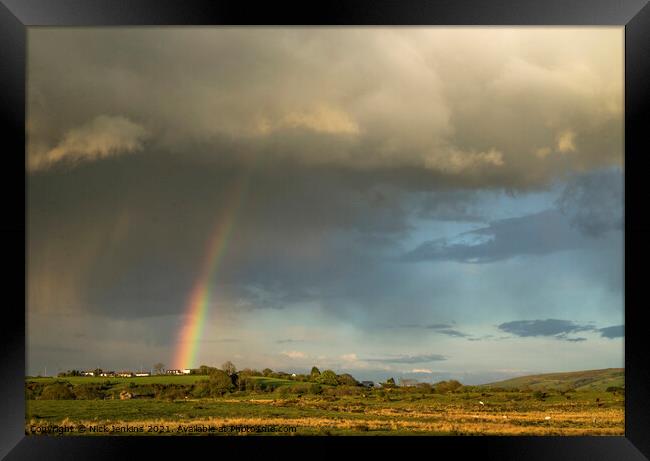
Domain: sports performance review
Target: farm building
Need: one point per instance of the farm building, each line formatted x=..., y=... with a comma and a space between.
x=107, y=374
x=88, y=373
x=186, y=371
x=174, y=372
x=143, y=373
x=125, y=374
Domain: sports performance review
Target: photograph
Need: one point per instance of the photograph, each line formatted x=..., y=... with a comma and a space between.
x=321, y=231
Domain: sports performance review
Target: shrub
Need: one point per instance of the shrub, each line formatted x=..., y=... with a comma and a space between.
x=57, y=391
x=88, y=392
x=347, y=380
x=448, y=386
x=328, y=377
x=539, y=395
x=201, y=389
x=220, y=383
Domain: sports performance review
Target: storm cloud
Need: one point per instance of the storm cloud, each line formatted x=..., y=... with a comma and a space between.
x=617, y=331
x=353, y=98
x=550, y=327
x=362, y=151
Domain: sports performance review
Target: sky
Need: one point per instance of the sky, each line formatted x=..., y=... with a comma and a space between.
x=430, y=203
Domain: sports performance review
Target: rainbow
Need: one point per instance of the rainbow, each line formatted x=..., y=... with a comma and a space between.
x=199, y=300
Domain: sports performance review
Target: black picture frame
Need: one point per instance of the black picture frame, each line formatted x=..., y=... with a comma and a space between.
x=17, y=15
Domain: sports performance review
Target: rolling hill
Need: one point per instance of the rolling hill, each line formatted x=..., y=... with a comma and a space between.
x=594, y=380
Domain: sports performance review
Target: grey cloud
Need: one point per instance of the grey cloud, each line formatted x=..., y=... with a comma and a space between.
x=617, y=331
x=446, y=329
x=451, y=332
x=408, y=359
x=564, y=337
x=440, y=328
x=264, y=92
x=289, y=341
x=549, y=327
x=540, y=233
x=131, y=233
x=594, y=201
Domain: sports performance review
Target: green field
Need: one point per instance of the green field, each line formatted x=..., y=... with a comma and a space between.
x=577, y=403
x=591, y=380
x=432, y=415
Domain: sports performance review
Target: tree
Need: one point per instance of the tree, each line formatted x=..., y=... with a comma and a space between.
x=267, y=371
x=57, y=391
x=315, y=373
x=158, y=367
x=220, y=382
x=448, y=386
x=347, y=380
x=229, y=368
x=390, y=383
x=328, y=377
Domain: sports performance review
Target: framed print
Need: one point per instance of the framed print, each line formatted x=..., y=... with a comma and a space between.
x=247, y=227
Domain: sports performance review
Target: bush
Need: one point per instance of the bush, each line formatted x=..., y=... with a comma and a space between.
x=539, y=395
x=57, y=391
x=220, y=383
x=88, y=392
x=201, y=389
x=328, y=377
x=347, y=380
x=448, y=386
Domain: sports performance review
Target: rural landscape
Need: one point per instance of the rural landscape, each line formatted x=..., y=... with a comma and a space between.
x=226, y=402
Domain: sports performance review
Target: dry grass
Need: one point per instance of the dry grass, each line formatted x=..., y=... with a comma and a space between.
x=609, y=422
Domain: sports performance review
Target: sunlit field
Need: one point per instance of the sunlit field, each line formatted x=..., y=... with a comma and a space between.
x=303, y=409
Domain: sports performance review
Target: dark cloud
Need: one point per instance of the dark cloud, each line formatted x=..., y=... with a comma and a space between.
x=617, y=331
x=564, y=337
x=446, y=329
x=549, y=327
x=264, y=94
x=409, y=359
x=451, y=332
x=352, y=140
x=536, y=234
x=289, y=341
x=440, y=328
x=594, y=201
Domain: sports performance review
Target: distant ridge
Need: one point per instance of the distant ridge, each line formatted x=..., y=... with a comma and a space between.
x=595, y=380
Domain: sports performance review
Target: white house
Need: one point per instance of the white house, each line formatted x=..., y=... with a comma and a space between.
x=143, y=373
x=88, y=373
x=186, y=371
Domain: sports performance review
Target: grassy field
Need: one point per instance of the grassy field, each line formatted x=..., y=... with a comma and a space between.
x=372, y=413
x=591, y=380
